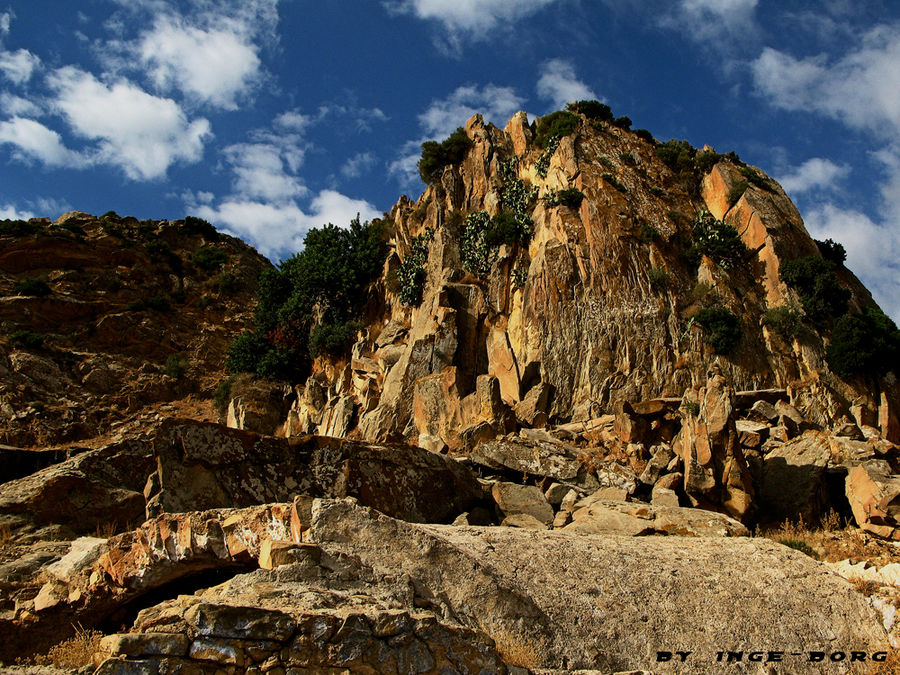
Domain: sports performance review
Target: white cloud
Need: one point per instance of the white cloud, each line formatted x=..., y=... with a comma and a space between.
x=8, y=211
x=18, y=66
x=859, y=89
x=474, y=17
x=213, y=66
x=714, y=20
x=35, y=141
x=18, y=106
x=358, y=164
x=813, y=174
x=141, y=133
x=497, y=104
x=260, y=172
x=293, y=121
x=5, y=19
x=277, y=231
x=559, y=84
x=873, y=250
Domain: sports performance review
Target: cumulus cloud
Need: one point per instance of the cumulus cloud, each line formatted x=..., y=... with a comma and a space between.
x=141, y=133
x=10, y=212
x=714, y=21
x=497, y=104
x=358, y=164
x=18, y=66
x=278, y=230
x=18, y=106
x=559, y=84
x=260, y=172
x=859, y=89
x=32, y=140
x=476, y=18
x=213, y=66
x=814, y=174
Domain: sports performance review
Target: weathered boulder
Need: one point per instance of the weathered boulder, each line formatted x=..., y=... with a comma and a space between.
x=660, y=456
x=715, y=471
x=205, y=466
x=874, y=496
x=629, y=427
x=541, y=458
x=636, y=519
x=794, y=479
x=514, y=499
x=259, y=406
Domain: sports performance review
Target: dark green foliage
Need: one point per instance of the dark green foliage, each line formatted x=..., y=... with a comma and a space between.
x=435, y=156
x=627, y=158
x=209, y=258
x=820, y=292
x=659, y=278
x=723, y=328
x=27, y=339
x=736, y=191
x=592, y=110
x=477, y=256
x=74, y=228
x=649, y=233
x=146, y=230
x=323, y=285
x=832, y=251
x=677, y=155
x=705, y=161
x=786, y=320
x=160, y=252
x=18, y=228
x=555, y=125
x=799, y=545
x=204, y=301
x=866, y=344
x=571, y=197
x=112, y=216
x=754, y=178
x=175, y=367
x=503, y=230
x=657, y=192
x=222, y=395
x=332, y=338
x=520, y=276
x=623, y=122
x=193, y=225
x=718, y=240
x=411, y=273
x=226, y=283
x=34, y=287
x=692, y=408
x=645, y=135
x=542, y=165
x=609, y=178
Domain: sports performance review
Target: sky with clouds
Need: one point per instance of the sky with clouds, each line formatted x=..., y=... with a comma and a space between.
x=269, y=117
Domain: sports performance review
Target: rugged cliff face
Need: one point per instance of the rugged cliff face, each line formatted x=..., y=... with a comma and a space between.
x=600, y=305
x=106, y=319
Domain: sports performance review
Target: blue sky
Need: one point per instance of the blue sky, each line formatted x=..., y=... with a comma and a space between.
x=268, y=117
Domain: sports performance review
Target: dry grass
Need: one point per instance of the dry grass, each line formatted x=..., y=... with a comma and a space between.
x=865, y=586
x=517, y=650
x=5, y=533
x=890, y=666
x=76, y=652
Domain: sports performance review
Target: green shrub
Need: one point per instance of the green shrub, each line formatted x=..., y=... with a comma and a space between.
x=659, y=278
x=436, y=156
x=657, y=192
x=627, y=158
x=723, y=328
x=820, y=292
x=832, y=251
x=209, y=258
x=866, y=345
x=222, y=395
x=555, y=125
x=649, y=233
x=411, y=273
x=477, y=255
x=786, y=320
x=18, y=228
x=592, y=110
x=193, y=225
x=736, y=191
x=706, y=160
x=34, y=287
x=520, y=276
x=677, y=155
x=225, y=283
x=799, y=545
x=333, y=338
x=27, y=339
x=623, y=122
x=322, y=285
x=692, y=408
x=645, y=135
x=111, y=216
x=160, y=252
x=609, y=178
x=718, y=240
x=571, y=197
x=175, y=367
x=755, y=178
x=504, y=229
x=542, y=165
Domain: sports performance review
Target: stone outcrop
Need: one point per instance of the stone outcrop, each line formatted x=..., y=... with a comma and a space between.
x=873, y=491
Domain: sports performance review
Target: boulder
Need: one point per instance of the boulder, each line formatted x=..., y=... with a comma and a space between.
x=874, y=496
x=206, y=466
x=540, y=458
x=533, y=409
x=636, y=519
x=660, y=456
x=794, y=479
x=513, y=499
x=629, y=426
